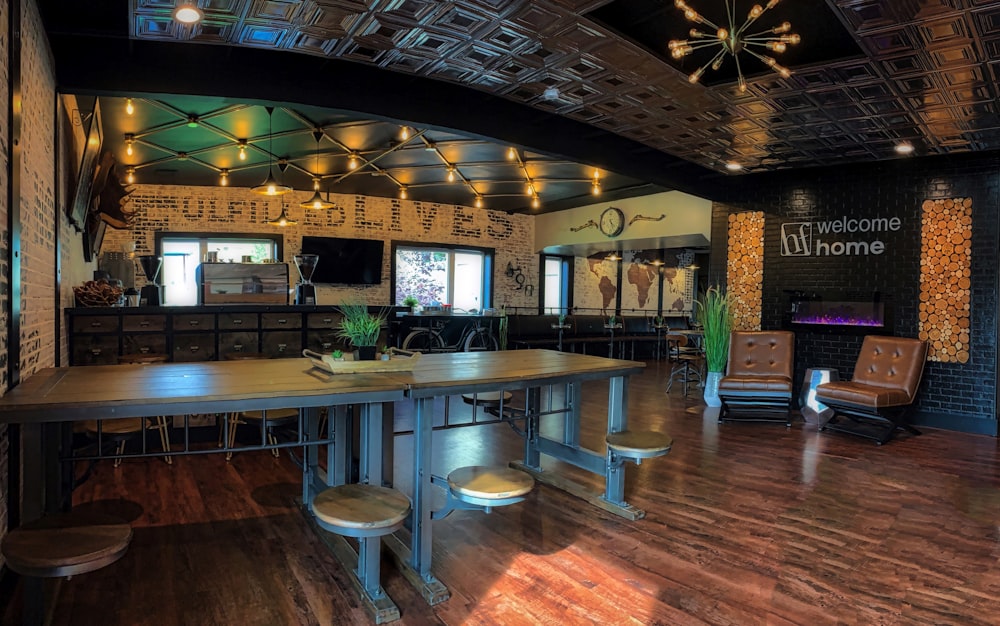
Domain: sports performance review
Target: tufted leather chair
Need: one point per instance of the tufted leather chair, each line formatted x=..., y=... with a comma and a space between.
x=758, y=381
x=886, y=378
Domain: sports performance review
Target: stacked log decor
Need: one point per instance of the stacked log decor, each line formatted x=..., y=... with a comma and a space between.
x=945, y=270
x=745, y=269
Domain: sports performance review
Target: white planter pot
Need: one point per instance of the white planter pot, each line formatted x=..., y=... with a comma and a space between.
x=712, y=389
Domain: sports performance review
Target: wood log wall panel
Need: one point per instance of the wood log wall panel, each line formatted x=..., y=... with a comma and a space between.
x=745, y=268
x=945, y=278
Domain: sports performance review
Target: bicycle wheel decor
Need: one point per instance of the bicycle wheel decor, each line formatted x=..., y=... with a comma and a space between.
x=481, y=341
x=423, y=340
x=399, y=361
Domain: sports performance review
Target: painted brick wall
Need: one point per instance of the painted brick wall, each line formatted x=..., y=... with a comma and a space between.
x=168, y=208
x=953, y=395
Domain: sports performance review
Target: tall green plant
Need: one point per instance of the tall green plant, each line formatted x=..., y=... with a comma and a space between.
x=359, y=326
x=716, y=319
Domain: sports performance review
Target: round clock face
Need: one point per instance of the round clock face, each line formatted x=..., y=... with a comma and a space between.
x=612, y=221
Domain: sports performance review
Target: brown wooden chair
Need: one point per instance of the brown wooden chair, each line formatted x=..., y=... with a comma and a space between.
x=758, y=382
x=875, y=401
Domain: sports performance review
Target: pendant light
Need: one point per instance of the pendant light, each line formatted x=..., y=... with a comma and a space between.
x=282, y=220
x=316, y=201
x=271, y=186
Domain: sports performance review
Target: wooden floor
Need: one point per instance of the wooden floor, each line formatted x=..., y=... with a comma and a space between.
x=747, y=524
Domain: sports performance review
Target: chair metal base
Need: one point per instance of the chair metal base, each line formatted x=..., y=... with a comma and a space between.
x=756, y=407
x=879, y=426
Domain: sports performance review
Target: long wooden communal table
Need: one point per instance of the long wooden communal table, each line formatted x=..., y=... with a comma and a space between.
x=441, y=375
x=61, y=395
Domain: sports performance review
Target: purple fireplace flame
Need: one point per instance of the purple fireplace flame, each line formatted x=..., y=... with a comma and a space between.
x=840, y=313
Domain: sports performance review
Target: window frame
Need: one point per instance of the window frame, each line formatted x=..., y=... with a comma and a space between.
x=567, y=268
x=489, y=260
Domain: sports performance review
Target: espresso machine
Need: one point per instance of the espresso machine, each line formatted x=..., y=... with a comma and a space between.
x=151, y=293
x=305, y=291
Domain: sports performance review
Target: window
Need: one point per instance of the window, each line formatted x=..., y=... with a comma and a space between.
x=443, y=275
x=182, y=253
x=557, y=281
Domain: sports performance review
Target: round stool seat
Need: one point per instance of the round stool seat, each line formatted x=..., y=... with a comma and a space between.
x=65, y=544
x=126, y=426
x=489, y=483
x=487, y=398
x=272, y=414
x=137, y=359
x=640, y=444
x=359, y=510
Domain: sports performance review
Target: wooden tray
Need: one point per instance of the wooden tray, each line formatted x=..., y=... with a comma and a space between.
x=399, y=361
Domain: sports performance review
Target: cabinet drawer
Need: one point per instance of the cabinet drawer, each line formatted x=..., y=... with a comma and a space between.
x=139, y=323
x=95, y=323
x=194, y=347
x=96, y=350
x=282, y=344
x=323, y=320
x=144, y=344
x=237, y=342
x=324, y=341
x=281, y=320
x=238, y=321
x=194, y=322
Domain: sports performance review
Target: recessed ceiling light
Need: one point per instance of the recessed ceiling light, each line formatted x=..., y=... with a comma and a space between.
x=188, y=13
x=904, y=148
x=550, y=93
x=733, y=166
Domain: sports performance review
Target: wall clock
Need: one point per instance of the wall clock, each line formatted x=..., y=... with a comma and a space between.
x=612, y=221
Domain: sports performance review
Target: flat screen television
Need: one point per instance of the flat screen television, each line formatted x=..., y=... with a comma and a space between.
x=345, y=261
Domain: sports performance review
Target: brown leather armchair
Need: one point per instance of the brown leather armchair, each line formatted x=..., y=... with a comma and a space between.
x=758, y=381
x=875, y=401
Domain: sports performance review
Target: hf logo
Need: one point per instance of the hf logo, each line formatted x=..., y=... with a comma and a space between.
x=796, y=239
x=825, y=238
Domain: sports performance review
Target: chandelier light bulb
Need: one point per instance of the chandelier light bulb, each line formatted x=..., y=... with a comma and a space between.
x=732, y=40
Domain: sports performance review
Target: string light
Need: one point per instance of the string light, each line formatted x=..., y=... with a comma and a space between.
x=402, y=192
x=129, y=107
x=511, y=153
x=224, y=177
x=243, y=149
x=352, y=161
x=404, y=133
x=595, y=188
x=529, y=188
x=479, y=201
x=130, y=175
x=536, y=201
x=129, y=140
x=451, y=173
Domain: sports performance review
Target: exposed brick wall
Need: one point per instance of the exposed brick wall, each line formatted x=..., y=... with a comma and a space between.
x=961, y=396
x=4, y=247
x=167, y=208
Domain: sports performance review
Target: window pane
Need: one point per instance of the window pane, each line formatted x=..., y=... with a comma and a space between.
x=423, y=274
x=180, y=258
x=235, y=250
x=468, y=288
x=553, y=286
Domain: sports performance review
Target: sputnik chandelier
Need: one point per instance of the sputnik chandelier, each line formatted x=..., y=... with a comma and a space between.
x=732, y=40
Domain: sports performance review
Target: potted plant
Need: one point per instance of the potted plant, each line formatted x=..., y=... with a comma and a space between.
x=411, y=302
x=361, y=328
x=338, y=355
x=716, y=319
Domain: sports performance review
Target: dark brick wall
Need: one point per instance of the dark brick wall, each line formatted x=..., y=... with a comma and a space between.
x=955, y=396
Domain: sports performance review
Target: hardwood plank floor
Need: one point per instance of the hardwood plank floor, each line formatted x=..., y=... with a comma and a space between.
x=746, y=524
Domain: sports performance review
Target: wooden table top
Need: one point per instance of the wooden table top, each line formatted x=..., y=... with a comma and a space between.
x=110, y=391
x=463, y=372
x=113, y=391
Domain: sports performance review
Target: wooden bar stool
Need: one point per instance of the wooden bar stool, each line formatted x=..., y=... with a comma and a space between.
x=61, y=545
x=119, y=431
x=271, y=417
x=480, y=488
x=635, y=445
x=366, y=512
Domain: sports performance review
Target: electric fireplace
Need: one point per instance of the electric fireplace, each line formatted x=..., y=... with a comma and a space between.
x=819, y=312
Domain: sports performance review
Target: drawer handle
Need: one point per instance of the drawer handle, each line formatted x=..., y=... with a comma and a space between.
x=96, y=324
x=144, y=350
x=237, y=322
x=238, y=347
x=195, y=348
x=327, y=320
x=282, y=321
x=326, y=345
x=144, y=323
x=194, y=322
x=96, y=351
x=282, y=346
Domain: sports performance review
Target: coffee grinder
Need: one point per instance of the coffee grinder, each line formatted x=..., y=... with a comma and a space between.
x=305, y=291
x=151, y=293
